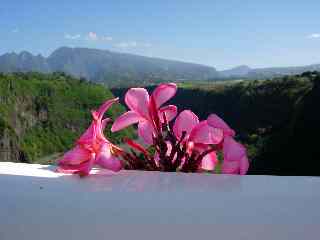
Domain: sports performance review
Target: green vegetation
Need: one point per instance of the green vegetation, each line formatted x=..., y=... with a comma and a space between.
x=276, y=119
x=43, y=114
x=269, y=117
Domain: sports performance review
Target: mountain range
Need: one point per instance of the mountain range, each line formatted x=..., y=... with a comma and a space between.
x=113, y=68
x=105, y=66
x=246, y=72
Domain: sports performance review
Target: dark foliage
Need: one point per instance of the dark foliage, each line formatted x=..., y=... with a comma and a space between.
x=276, y=119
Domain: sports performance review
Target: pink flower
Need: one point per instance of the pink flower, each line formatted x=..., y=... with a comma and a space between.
x=197, y=136
x=235, y=160
x=147, y=111
x=217, y=122
x=92, y=147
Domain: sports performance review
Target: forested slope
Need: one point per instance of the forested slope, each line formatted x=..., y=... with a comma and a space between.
x=42, y=114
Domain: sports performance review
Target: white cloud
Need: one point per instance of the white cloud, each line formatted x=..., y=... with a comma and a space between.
x=72, y=37
x=93, y=36
x=314, y=35
x=90, y=36
x=132, y=44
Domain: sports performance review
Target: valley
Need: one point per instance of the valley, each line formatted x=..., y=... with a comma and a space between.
x=41, y=115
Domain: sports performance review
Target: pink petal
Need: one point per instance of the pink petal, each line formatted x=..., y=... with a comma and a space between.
x=154, y=114
x=164, y=92
x=83, y=169
x=74, y=156
x=100, y=126
x=170, y=111
x=244, y=165
x=185, y=121
x=201, y=147
x=73, y=169
x=232, y=151
x=209, y=161
x=205, y=134
x=125, y=120
x=105, y=106
x=145, y=131
x=230, y=167
x=112, y=163
x=106, y=160
x=89, y=135
x=137, y=99
x=217, y=122
x=235, y=159
x=136, y=146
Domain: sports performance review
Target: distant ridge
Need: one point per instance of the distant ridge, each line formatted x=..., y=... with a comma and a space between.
x=262, y=73
x=116, y=69
x=281, y=71
x=236, y=71
x=106, y=66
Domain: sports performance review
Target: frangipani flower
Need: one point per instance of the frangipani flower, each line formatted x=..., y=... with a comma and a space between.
x=197, y=136
x=146, y=110
x=215, y=121
x=235, y=160
x=92, y=147
x=189, y=146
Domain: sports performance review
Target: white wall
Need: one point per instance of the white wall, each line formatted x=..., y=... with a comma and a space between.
x=37, y=203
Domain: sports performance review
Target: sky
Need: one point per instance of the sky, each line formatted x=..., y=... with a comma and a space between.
x=218, y=33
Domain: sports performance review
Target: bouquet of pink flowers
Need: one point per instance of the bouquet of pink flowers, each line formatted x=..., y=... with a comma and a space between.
x=187, y=145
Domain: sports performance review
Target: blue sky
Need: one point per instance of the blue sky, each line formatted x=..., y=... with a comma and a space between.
x=219, y=33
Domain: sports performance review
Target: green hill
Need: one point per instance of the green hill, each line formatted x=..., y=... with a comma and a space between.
x=43, y=114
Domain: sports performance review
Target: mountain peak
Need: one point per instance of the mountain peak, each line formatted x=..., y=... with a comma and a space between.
x=25, y=55
x=61, y=50
x=111, y=67
x=242, y=67
x=236, y=71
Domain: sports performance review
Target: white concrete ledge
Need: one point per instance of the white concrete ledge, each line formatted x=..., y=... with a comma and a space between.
x=37, y=203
